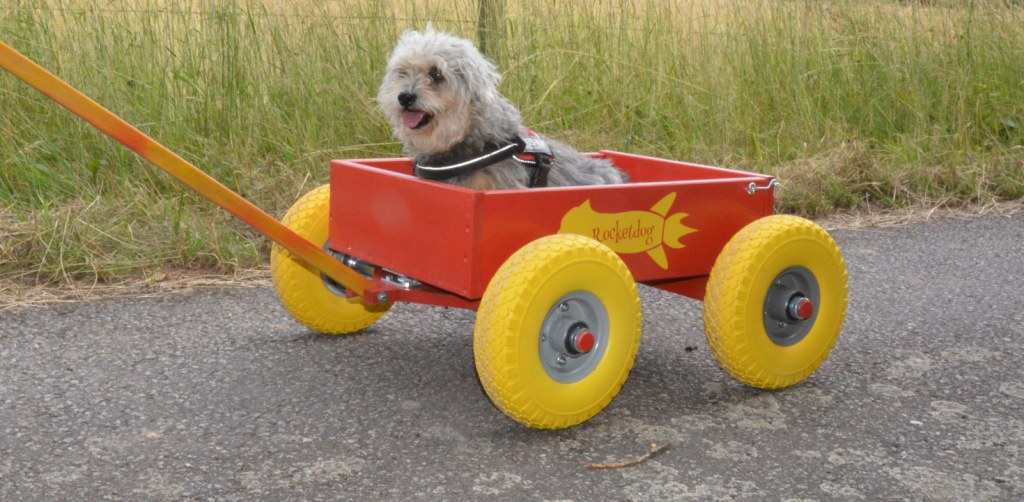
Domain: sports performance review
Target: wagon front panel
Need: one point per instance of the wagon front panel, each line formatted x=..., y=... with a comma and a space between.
x=414, y=227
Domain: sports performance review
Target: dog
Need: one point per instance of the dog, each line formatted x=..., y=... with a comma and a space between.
x=440, y=96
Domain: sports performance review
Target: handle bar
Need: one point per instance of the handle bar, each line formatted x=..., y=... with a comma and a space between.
x=149, y=149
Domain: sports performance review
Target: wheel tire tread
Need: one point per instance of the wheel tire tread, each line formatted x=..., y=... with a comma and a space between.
x=289, y=274
x=723, y=311
x=495, y=353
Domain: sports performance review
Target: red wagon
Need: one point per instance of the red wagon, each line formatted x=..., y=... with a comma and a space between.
x=551, y=271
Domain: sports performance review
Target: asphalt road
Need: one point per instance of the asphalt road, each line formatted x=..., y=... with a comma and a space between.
x=219, y=395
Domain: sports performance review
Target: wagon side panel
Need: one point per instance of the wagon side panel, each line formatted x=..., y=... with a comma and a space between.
x=660, y=230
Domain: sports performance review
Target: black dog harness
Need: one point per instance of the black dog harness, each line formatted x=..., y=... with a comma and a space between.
x=527, y=148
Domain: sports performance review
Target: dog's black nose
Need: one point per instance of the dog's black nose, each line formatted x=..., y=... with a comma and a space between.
x=406, y=99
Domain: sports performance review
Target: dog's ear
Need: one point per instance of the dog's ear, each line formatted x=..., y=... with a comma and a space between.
x=480, y=74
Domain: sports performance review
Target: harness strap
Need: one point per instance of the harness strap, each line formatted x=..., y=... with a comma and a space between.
x=526, y=148
x=536, y=154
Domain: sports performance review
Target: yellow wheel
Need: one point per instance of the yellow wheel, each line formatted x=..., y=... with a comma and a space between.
x=557, y=331
x=775, y=301
x=311, y=298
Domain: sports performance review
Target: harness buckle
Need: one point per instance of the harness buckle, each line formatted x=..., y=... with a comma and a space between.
x=542, y=158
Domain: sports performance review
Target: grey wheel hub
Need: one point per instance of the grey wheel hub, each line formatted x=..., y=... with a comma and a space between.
x=573, y=337
x=791, y=306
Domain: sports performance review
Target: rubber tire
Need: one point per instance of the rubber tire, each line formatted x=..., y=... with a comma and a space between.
x=299, y=286
x=508, y=323
x=739, y=282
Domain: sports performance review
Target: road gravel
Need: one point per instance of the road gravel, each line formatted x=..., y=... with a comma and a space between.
x=219, y=395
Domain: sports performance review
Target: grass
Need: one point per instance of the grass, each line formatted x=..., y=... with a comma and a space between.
x=849, y=102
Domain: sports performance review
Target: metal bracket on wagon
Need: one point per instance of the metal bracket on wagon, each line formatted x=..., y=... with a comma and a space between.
x=752, y=188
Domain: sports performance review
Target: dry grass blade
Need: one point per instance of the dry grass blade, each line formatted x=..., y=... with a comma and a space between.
x=655, y=449
x=14, y=296
x=926, y=211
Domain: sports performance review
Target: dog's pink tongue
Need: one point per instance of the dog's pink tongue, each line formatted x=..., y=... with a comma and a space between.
x=412, y=119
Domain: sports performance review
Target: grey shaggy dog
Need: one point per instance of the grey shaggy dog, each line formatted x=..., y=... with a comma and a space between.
x=440, y=95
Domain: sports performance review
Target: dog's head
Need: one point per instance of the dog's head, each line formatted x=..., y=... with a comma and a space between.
x=434, y=87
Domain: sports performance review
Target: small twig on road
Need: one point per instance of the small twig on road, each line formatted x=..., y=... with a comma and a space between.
x=655, y=449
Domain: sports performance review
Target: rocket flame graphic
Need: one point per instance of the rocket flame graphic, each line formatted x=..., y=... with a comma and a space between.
x=631, y=231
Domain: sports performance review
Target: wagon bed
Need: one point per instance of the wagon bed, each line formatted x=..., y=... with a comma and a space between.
x=453, y=239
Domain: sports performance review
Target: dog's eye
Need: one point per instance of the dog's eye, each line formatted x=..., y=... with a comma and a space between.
x=436, y=75
x=401, y=73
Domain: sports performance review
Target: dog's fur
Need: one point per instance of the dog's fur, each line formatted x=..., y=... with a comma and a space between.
x=440, y=95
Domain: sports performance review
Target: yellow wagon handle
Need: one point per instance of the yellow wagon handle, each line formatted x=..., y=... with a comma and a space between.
x=135, y=140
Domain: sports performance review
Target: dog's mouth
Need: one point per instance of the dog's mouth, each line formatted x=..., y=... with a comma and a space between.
x=416, y=119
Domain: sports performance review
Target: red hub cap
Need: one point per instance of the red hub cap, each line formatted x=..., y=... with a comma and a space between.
x=801, y=308
x=583, y=341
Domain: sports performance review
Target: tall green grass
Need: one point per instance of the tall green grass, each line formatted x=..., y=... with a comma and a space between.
x=848, y=101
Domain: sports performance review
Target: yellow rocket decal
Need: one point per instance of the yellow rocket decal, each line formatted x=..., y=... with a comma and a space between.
x=631, y=231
